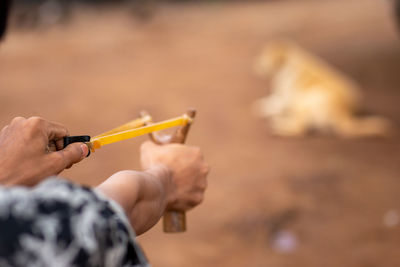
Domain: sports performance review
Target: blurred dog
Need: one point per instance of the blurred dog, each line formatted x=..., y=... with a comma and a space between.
x=308, y=94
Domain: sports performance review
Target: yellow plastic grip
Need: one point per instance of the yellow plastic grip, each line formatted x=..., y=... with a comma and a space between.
x=102, y=140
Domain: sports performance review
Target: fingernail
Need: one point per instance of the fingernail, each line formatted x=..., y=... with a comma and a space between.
x=85, y=150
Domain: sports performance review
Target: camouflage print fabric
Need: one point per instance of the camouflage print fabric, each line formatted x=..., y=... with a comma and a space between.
x=58, y=223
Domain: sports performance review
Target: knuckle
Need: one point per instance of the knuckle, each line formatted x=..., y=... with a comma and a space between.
x=198, y=151
x=206, y=169
x=34, y=126
x=17, y=119
x=36, y=122
x=198, y=198
x=58, y=160
x=202, y=185
x=58, y=157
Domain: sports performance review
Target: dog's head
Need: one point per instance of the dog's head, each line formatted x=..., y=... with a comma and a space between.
x=273, y=57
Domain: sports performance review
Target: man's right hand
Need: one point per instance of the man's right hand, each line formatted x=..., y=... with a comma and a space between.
x=31, y=150
x=187, y=168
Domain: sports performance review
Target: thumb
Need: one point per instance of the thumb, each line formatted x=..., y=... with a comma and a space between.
x=68, y=156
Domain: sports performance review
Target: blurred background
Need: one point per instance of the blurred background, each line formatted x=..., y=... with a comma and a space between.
x=306, y=201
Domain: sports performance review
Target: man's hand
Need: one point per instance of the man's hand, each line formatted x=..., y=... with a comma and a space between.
x=31, y=150
x=174, y=178
x=187, y=168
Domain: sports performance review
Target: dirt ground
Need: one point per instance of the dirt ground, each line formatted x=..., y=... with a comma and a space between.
x=329, y=195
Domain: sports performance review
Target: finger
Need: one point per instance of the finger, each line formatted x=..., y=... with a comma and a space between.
x=4, y=128
x=56, y=131
x=52, y=146
x=52, y=130
x=59, y=144
x=68, y=156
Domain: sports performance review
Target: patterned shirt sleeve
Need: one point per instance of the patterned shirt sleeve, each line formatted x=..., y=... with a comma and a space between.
x=58, y=223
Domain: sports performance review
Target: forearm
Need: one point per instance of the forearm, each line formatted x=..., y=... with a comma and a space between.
x=143, y=195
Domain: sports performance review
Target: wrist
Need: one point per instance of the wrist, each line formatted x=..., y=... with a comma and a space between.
x=164, y=175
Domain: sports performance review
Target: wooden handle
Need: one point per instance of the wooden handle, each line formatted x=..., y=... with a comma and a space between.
x=174, y=221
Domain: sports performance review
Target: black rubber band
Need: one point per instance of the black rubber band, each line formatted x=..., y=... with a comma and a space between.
x=76, y=139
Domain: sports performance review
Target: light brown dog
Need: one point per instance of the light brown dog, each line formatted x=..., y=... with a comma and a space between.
x=308, y=94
